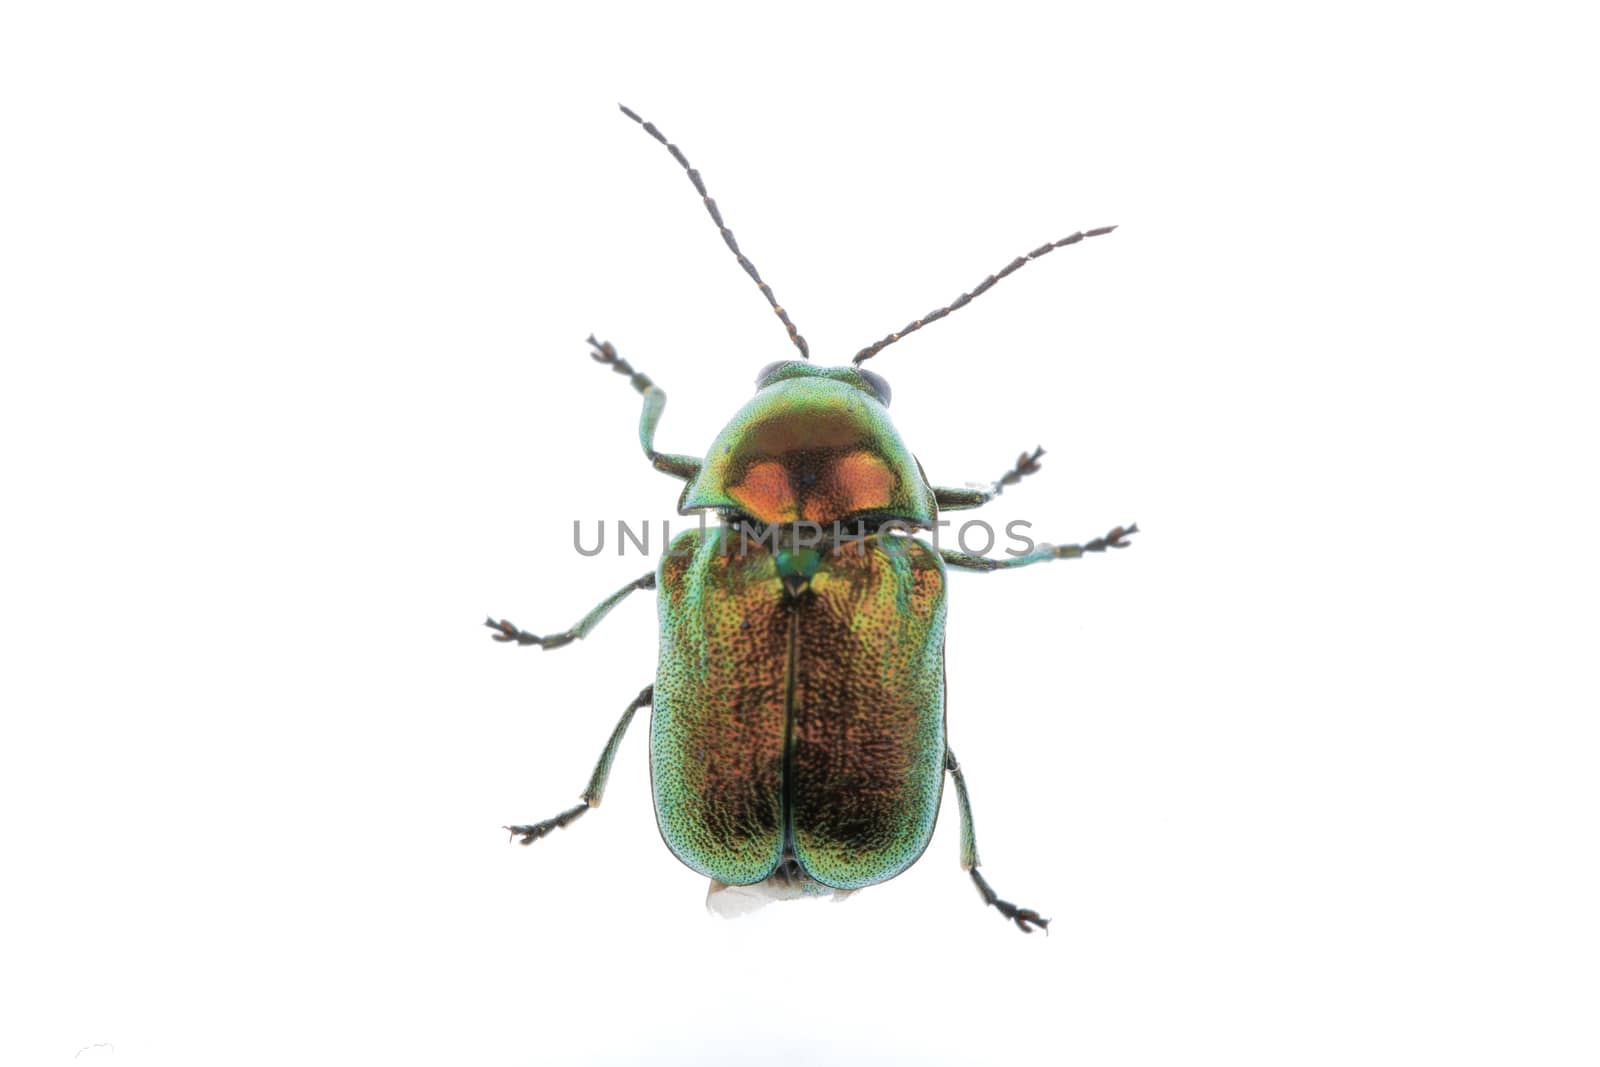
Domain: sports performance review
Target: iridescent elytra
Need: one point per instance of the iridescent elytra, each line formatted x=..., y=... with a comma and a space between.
x=797, y=735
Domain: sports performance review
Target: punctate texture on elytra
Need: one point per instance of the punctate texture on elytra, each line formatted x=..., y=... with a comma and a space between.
x=826, y=710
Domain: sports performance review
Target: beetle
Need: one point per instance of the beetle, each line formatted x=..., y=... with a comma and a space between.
x=797, y=727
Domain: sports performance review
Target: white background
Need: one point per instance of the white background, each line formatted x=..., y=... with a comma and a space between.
x=295, y=392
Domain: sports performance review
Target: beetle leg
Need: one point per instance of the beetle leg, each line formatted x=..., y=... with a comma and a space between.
x=684, y=467
x=597, y=781
x=1040, y=553
x=961, y=499
x=1025, y=918
x=507, y=631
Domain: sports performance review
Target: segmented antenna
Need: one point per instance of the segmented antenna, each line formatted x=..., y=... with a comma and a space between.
x=983, y=287
x=727, y=234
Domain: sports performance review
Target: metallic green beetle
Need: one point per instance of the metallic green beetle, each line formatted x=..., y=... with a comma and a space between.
x=797, y=738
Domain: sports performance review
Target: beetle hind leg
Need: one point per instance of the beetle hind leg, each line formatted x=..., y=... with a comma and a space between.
x=1026, y=919
x=597, y=781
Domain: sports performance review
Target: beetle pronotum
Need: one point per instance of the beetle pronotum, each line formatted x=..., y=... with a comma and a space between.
x=797, y=738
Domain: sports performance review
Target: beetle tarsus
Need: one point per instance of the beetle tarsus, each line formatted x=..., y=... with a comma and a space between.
x=606, y=352
x=1022, y=917
x=1117, y=538
x=686, y=468
x=1025, y=918
x=530, y=834
x=507, y=633
x=1027, y=463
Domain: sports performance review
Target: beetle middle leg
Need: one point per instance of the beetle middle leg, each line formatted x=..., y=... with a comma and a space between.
x=1117, y=538
x=1025, y=918
x=960, y=499
x=655, y=400
x=597, y=781
x=507, y=631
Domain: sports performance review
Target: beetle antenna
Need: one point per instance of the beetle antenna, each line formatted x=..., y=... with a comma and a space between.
x=983, y=287
x=727, y=234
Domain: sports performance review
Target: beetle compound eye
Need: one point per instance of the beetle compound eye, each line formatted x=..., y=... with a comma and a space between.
x=879, y=386
x=766, y=372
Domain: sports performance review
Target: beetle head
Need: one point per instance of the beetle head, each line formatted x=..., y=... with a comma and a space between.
x=784, y=369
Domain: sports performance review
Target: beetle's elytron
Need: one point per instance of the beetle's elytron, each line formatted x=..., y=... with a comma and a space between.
x=797, y=733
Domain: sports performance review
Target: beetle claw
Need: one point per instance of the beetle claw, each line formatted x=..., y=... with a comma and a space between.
x=1022, y=917
x=530, y=834
x=1027, y=916
x=505, y=629
x=1027, y=464
x=1115, y=537
x=507, y=632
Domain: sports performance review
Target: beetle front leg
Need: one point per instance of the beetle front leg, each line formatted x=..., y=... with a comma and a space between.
x=597, y=781
x=507, y=631
x=1117, y=538
x=1025, y=918
x=961, y=499
x=655, y=400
